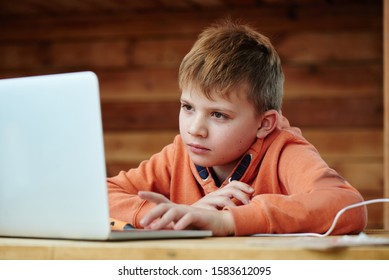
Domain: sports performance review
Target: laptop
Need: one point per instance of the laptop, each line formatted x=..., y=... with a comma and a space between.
x=52, y=164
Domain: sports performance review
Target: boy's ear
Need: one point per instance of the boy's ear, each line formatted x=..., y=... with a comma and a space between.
x=268, y=123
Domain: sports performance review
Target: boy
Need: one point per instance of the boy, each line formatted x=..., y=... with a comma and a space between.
x=237, y=167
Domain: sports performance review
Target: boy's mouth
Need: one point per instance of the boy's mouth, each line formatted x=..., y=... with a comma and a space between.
x=197, y=149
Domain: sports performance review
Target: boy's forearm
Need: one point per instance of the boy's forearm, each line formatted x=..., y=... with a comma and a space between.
x=127, y=207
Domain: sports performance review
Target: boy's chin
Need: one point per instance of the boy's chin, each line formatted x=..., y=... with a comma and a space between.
x=205, y=162
x=201, y=162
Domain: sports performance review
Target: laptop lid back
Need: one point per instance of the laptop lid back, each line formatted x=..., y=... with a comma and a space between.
x=52, y=166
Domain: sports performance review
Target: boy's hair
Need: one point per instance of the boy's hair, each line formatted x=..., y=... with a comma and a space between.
x=230, y=55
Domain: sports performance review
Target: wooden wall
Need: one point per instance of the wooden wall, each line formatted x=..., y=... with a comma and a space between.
x=331, y=52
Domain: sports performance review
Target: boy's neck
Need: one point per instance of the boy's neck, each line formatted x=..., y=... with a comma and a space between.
x=221, y=173
x=218, y=181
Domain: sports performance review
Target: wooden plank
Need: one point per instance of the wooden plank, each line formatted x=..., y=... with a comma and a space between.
x=166, y=53
x=89, y=54
x=23, y=56
x=134, y=115
x=269, y=19
x=141, y=85
x=135, y=146
x=317, y=47
x=365, y=174
x=219, y=4
x=176, y=5
x=333, y=81
x=352, y=143
x=337, y=112
x=64, y=7
x=308, y=47
x=9, y=9
x=62, y=56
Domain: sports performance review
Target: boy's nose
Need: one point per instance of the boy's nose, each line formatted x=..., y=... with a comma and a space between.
x=197, y=127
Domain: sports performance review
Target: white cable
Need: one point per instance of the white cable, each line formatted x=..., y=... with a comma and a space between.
x=337, y=216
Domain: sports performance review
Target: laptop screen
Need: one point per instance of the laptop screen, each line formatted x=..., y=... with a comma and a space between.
x=52, y=166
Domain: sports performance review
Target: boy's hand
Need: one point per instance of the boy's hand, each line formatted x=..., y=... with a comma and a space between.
x=178, y=216
x=223, y=197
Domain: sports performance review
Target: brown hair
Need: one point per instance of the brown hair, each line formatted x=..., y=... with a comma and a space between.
x=228, y=55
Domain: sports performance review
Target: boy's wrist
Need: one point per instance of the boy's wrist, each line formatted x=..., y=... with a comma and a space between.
x=228, y=223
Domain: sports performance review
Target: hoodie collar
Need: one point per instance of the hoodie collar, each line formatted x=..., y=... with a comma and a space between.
x=244, y=171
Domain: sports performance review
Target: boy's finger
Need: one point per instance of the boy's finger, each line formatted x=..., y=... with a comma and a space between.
x=242, y=197
x=154, y=214
x=241, y=186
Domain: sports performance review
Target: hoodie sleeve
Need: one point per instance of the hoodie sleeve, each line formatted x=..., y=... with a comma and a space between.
x=151, y=175
x=303, y=195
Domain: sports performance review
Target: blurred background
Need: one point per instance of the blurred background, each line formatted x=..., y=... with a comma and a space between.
x=332, y=54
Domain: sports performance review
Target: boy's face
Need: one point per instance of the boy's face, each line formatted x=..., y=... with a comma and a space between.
x=217, y=132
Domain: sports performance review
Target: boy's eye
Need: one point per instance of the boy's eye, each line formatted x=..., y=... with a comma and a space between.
x=186, y=107
x=219, y=115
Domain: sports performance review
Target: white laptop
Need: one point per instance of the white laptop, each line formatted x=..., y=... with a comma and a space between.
x=52, y=164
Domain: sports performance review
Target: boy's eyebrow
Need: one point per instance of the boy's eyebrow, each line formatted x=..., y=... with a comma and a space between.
x=211, y=108
x=221, y=109
x=182, y=100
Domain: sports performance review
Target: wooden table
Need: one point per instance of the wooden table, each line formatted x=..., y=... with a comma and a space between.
x=239, y=248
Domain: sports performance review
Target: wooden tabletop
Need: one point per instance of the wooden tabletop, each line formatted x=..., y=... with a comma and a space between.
x=271, y=248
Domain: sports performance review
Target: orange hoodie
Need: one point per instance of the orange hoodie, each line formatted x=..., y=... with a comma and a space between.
x=295, y=190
